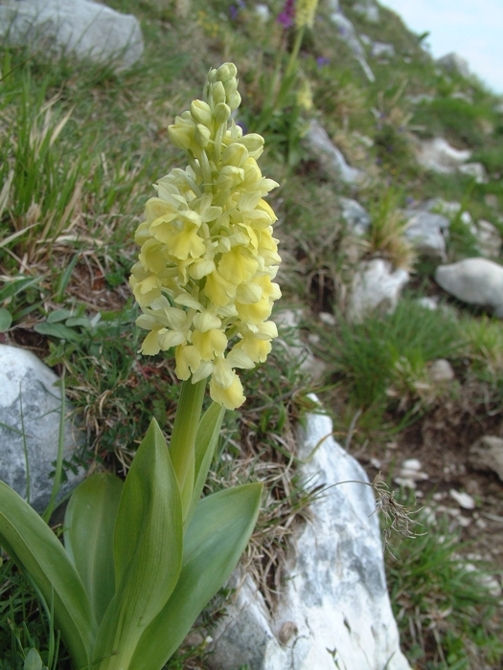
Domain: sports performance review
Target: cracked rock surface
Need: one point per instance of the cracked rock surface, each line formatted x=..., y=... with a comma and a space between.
x=334, y=606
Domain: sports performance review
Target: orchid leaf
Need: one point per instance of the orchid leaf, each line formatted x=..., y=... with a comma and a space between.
x=148, y=548
x=33, y=661
x=35, y=548
x=216, y=538
x=89, y=531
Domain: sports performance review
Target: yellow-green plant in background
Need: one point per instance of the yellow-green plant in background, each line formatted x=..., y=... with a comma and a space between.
x=289, y=93
x=143, y=557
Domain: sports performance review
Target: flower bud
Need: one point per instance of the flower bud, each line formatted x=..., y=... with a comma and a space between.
x=202, y=135
x=235, y=154
x=221, y=113
x=227, y=71
x=212, y=76
x=254, y=143
x=201, y=112
x=230, y=86
x=217, y=92
x=234, y=100
x=181, y=134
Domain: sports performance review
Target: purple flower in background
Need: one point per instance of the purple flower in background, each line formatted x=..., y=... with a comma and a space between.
x=321, y=61
x=243, y=127
x=235, y=9
x=287, y=16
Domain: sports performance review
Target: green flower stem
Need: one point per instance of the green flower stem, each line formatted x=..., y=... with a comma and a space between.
x=288, y=80
x=183, y=439
x=292, y=63
x=269, y=102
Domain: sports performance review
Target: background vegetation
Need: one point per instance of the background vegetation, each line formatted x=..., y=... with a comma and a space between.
x=80, y=146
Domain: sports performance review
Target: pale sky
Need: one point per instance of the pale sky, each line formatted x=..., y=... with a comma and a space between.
x=472, y=28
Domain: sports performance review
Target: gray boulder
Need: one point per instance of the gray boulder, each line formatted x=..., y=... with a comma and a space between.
x=488, y=238
x=289, y=324
x=487, y=454
x=427, y=232
x=347, y=34
x=453, y=62
x=330, y=158
x=382, y=50
x=376, y=287
x=84, y=28
x=439, y=156
x=475, y=170
x=368, y=9
x=357, y=219
x=334, y=608
x=30, y=413
x=476, y=281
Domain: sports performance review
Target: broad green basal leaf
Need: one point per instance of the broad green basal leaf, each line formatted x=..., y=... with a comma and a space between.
x=148, y=546
x=33, y=546
x=216, y=538
x=89, y=532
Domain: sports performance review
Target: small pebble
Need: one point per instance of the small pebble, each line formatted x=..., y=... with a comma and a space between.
x=327, y=318
x=405, y=482
x=463, y=499
x=412, y=464
x=464, y=521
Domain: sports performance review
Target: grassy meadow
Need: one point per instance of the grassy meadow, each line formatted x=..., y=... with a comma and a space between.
x=81, y=146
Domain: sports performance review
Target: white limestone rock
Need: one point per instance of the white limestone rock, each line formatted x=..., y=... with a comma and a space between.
x=463, y=499
x=262, y=12
x=427, y=232
x=420, y=98
x=331, y=159
x=476, y=281
x=439, y=156
x=382, y=50
x=441, y=371
x=453, y=62
x=347, y=34
x=451, y=211
x=368, y=9
x=288, y=322
x=487, y=454
x=334, y=608
x=376, y=287
x=448, y=208
x=488, y=238
x=356, y=217
x=461, y=95
x=84, y=28
x=30, y=403
x=475, y=170
x=428, y=302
